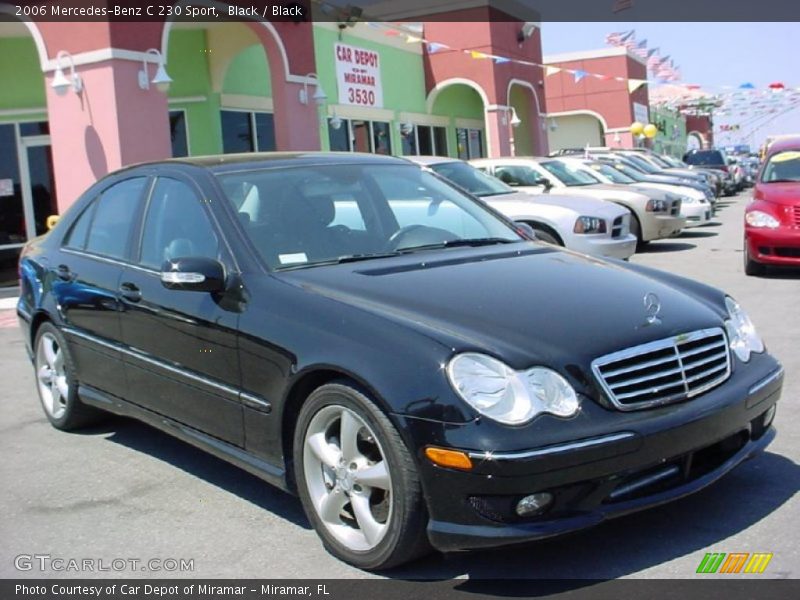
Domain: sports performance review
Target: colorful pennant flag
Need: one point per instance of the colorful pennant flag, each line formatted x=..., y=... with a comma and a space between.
x=476, y=54
x=635, y=84
x=579, y=74
x=550, y=70
x=434, y=47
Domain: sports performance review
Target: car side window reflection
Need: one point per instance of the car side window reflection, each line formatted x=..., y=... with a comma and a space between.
x=176, y=225
x=115, y=211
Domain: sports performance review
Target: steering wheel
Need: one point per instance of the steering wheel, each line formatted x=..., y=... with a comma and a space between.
x=418, y=235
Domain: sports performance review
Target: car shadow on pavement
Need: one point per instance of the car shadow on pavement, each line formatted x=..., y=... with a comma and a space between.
x=656, y=247
x=781, y=273
x=198, y=463
x=698, y=234
x=636, y=542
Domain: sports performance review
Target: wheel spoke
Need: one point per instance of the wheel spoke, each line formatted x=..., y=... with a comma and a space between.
x=348, y=435
x=58, y=363
x=45, y=375
x=49, y=347
x=374, y=476
x=331, y=506
x=371, y=529
x=327, y=453
x=61, y=385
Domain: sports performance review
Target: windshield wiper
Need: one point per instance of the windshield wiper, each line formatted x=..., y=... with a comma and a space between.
x=338, y=261
x=473, y=242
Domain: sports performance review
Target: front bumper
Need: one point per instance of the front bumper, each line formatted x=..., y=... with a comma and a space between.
x=672, y=451
x=779, y=246
x=604, y=246
x=696, y=214
x=657, y=226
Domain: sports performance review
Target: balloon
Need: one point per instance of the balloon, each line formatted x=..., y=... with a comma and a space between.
x=650, y=130
x=636, y=128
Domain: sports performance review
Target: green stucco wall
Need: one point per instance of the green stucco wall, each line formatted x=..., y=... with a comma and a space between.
x=672, y=140
x=248, y=74
x=23, y=86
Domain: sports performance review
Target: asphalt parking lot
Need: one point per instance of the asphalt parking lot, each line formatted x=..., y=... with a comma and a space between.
x=124, y=490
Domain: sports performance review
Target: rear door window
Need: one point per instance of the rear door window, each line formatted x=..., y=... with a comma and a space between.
x=114, y=217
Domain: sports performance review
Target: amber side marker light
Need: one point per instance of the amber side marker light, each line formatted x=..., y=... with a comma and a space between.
x=448, y=458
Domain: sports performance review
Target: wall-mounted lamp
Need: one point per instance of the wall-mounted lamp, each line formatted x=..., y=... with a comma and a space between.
x=526, y=32
x=61, y=83
x=161, y=80
x=319, y=95
x=617, y=139
x=553, y=125
x=515, y=120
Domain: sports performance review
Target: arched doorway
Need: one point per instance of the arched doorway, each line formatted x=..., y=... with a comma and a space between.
x=527, y=134
x=695, y=141
x=464, y=103
x=27, y=183
x=575, y=130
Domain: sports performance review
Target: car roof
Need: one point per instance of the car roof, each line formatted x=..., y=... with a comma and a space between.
x=432, y=160
x=787, y=143
x=511, y=160
x=254, y=160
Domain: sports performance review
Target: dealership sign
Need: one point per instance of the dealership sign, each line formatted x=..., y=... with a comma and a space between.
x=358, y=76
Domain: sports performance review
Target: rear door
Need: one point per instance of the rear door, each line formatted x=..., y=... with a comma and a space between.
x=182, y=360
x=86, y=273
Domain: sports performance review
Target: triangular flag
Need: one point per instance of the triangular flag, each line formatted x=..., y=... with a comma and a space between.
x=434, y=47
x=410, y=39
x=747, y=86
x=548, y=70
x=391, y=32
x=635, y=84
x=476, y=54
x=499, y=60
x=579, y=74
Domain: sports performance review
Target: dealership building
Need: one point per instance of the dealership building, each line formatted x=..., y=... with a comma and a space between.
x=251, y=86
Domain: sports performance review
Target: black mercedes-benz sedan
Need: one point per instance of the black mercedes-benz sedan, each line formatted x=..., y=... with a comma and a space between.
x=417, y=368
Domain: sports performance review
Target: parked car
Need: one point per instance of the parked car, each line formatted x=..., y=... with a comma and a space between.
x=652, y=163
x=652, y=219
x=416, y=382
x=579, y=223
x=694, y=206
x=772, y=219
x=624, y=165
x=712, y=159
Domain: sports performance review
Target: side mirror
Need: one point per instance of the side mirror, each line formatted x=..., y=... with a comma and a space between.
x=526, y=230
x=547, y=184
x=193, y=273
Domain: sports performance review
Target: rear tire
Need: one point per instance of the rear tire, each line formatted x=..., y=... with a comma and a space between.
x=357, y=480
x=636, y=229
x=57, y=384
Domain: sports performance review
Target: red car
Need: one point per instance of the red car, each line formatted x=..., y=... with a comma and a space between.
x=772, y=219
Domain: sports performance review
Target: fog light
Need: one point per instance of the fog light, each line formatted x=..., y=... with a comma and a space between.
x=534, y=504
x=769, y=415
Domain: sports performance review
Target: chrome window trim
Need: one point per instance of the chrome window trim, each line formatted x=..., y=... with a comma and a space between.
x=555, y=449
x=662, y=344
x=238, y=395
x=109, y=260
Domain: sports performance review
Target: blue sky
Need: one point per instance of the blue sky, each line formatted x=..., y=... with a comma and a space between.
x=709, y=54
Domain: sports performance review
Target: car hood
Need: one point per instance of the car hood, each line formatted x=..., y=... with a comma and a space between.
x=603, y=191
x=525, y=303
x=581, y=205
x=785, y=194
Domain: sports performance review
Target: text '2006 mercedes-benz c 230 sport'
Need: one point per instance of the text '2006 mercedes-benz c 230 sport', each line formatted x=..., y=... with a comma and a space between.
x=414, y=366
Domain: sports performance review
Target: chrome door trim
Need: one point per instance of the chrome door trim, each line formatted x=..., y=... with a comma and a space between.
x=556, y=449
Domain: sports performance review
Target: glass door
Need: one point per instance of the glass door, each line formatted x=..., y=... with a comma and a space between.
x=39, y=188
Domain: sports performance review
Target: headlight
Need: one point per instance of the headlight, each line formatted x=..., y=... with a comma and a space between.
x=656, y=206
x=589, y=225
x=741, y=332
x=687, y=200
x=511, y=397
x=756, y=218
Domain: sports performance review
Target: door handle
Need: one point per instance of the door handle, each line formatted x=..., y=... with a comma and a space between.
x=130, y=292
x=63, y=273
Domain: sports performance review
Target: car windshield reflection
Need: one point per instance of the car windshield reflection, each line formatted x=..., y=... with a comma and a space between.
x=323, y=215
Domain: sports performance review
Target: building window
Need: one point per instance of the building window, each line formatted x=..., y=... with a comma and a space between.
x=470, y=143
x=425, y=140
x=247, y=131
x=177, y=131
x=356, y=135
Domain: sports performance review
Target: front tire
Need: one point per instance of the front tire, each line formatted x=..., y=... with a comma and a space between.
x=357, y=480
x=751, y=267
x=57, y=384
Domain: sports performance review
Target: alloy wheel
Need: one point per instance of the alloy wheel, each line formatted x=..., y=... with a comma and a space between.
x=51, y=376
x=348, y=478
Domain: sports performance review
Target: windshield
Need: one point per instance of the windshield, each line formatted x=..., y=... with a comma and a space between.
x=642, y=164
x=518, y=175
x=611, y=173
x=628, y=170
x=705, y=157
x=471, y=179
x=782, y=167
x=674, y=162
x=569, y=175
x=312, y=215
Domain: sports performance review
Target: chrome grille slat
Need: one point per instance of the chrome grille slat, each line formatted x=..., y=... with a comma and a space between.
x=665, y=370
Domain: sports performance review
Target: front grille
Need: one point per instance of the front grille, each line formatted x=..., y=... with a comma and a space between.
x=664, y=371
x=787, y=252
x=796, y=215
x=617, y=227
x=675, y=209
